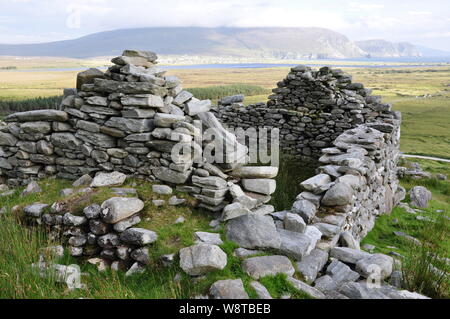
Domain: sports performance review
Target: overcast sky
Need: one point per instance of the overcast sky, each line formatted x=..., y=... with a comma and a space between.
x=417, y=21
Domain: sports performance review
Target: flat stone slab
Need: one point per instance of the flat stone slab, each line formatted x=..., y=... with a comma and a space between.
x=294, y=244
x=108, y=179
x=360, y=290
x=260, y=290
x=202, y=258
x=301, y=286
x=260, y=186
x=228, y=289
x=340, y=272
x=255, y=172
x=119, y=208
x=253, y=231
x=38, y=115
x=379, y=264
x=208, y=238
x=310, y=265
x=348, y=255
x=258, y=267
x=315, y=183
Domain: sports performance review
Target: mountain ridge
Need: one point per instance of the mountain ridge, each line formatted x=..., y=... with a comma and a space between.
x=275, y=42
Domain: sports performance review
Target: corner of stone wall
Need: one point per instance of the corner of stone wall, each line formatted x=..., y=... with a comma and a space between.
x=356, y=183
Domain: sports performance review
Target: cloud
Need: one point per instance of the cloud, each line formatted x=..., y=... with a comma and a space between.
x=391, y=20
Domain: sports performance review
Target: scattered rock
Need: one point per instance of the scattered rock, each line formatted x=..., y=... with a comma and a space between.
x=174, y=201
x=202, y=258
x=228, y=289
x=310, y=265
x=244, y=253
x=208, y=238
x=84, y=180
x=108, y=179
x=305, y=209
x=234, y=210
x=31, y=188
x=295, y=223
x=136, y=268
x=180, y=220
x=253, y=231
x=260, y=290
x=348, y=255
x=341, y=273
x=420, y=196
x=258, y=267
x=301, y=286
x=377, y=264
x=162, y=189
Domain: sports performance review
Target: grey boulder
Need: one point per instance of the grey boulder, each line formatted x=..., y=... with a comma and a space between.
x=259, y=267
x=202, y=258
x=420, y=196
x=118, y=208
x=253, y=231
x=228, y=289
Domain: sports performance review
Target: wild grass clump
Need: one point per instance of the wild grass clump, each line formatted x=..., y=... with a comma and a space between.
x=218, y=92
x=426, y=268
x=39, y=103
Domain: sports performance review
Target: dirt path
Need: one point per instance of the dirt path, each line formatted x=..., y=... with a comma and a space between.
x=426, y=157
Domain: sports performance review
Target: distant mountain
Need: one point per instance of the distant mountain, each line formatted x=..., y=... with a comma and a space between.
x=386, y=49
x=432, y=53
x=280, y=43
x=283, y=43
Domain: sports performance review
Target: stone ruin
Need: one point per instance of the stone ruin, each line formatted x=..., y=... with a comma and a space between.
x=311, y=109
x=323, y=117
x=130, y=118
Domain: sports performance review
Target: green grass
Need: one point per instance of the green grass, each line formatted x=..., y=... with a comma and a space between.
x=279, y=286
x=39, y=103
x=435, y=239
x=425, y=128
x=21, y=244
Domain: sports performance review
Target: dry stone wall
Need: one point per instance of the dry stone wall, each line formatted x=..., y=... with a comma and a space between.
x=322, y=116
x=311, y=109
x=130, y=119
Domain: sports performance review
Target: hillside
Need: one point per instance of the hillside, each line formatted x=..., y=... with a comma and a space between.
x=386, y=49
x=245, y=42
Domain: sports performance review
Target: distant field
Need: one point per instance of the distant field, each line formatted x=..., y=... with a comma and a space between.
x=50, y=62
x=425, y=129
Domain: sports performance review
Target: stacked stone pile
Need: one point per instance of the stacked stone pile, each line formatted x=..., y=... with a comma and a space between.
x=129, y=119
x=311, y=109
x=104, y=232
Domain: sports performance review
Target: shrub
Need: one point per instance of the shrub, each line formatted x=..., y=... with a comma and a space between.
x=218, y=92
x=39, y=103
